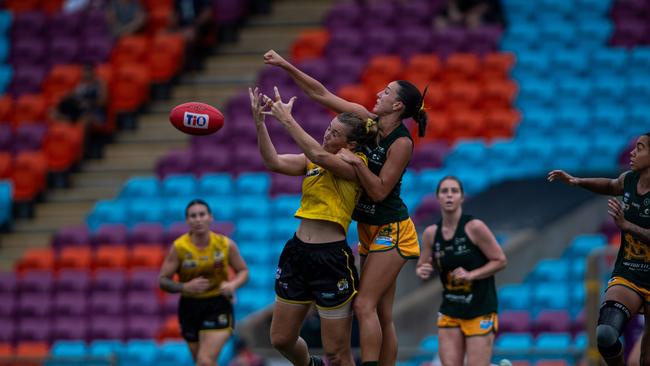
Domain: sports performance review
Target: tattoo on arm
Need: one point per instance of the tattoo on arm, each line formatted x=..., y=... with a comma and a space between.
x=169, y=285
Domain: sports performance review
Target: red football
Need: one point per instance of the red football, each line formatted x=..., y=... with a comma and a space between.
x=196, y=118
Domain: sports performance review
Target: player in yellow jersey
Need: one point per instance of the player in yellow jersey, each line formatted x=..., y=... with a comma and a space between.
x=316, y=265
x=202, y=260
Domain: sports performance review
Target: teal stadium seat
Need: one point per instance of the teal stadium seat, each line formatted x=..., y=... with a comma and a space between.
x=175, y=185
x=140, y=187
x=256, y=229
x=514, y=297
x=6, y=72
x=253, y=206
x=283, y=228
x=145, y=210
x=139, y=352
x=537, y=88
x=638, y=91
x=5, y=22
x=174, y=353
x=466, y=152
x=216, y=184
x=105, y=348
x=70, y=353
x=5, y=202
x=550, y=270
x=572, y=63
x=612, y=61
x=532, y=63
x=223, y=208
x=582, y=245
x=515, y=346
x=257, y=183
x=285, y=205
x=593, y=33
x=430, y=344
x=554, y=346
x=173, y=210
x=550, y=296
x=107, y=212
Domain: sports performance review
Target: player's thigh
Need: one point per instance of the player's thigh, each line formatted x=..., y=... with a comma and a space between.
x=452, y=346
x=479, y=349
x=287, y=321
x=210, y=344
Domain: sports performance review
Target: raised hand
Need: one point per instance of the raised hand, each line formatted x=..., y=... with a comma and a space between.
x=424, y=270
x=615, y=210
x=280, y=110
x=273, y=58
x=562, y=176
x=257, y=107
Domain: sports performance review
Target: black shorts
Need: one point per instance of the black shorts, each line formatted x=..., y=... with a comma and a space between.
x=210, y=313
x=324, y=273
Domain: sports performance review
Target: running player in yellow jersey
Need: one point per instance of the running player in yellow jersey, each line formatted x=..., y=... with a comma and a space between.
x=316, y=265
x=387, y=236
x=202, y=259
x=628, y=289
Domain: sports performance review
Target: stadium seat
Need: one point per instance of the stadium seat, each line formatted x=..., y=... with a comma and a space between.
x=173, y=352
x=515, y=297
x=109, y=279
x=36, y=259
x=309, y=44
x=517, y=345
x=107, y=212
x=175, y=185
x=554, y=345
x=168, y=50
x=69, y=349
x=582, y=245
x=144, y=211
x=550, y=270
x=146, y=256
x=514, y=321
x=74, y=258
x=554, y=321
x=111, y=256
x=140, y=187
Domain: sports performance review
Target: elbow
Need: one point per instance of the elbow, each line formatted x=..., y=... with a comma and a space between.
x=376, y=196
x=503, y=262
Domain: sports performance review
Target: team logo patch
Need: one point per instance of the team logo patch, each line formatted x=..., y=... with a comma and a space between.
x=646, y=202
x=223, y=319
x=342, y=284
x=486, y=323
x=313, y=172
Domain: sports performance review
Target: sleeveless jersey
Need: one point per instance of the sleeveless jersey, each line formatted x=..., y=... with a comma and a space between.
x=328, y=197
x=392, y=208
x=210, y=262
x=462, y=299
x=633, y=259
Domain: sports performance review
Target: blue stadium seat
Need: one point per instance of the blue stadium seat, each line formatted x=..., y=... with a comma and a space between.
x=410, y=182
x=593, y=33
x=173, y=209
x=554, y=345
x=514, y=44
x=573, y=89
x=429, y=178
x=262, y=276
x=608, y=90
x=466, y=152
x=139, y=352
x=515, y=345
x=173, y=353
x=582, y=245
x=578, y=297
x=639, y=61
x=140, y=187
x=216, y=184
x=257, y=183
x=560, y=7
x=593, y=8
x=605, y=150
x=223, y=208
x=514, y=297
x=581, y=341
x=253, y=206
x=144, y=210
x=255, y=253
x=253, y=230
x=69, y=349
x=6, y=71
x=285, y=205
x=578, y=268
x=609, y=60
x=550, y=270
x=538, y=152
x=555, y=33
x=535, y=63
x=430, y=344
x=571, y=63
x=107, y=212
x=537, y=122
x=638, y=90
x=283, y=228
x=175, y=185
x=573, y=117
x=639, y=117
x=539, y=89
x=5, y=21
x=551, y=296
x=519, y=9
x=104, y=348
x=503, y=152
x=5, y=202
x=475, y=178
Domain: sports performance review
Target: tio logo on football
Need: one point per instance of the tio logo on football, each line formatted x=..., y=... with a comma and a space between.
x=195, y=120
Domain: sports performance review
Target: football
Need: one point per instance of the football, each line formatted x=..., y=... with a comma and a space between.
x=196, y=118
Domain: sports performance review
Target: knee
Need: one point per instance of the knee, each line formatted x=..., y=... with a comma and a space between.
x=282, y=341
x=606, y=335
x=363, y=306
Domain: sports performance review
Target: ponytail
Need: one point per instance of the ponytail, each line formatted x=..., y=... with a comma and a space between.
x=413, y=102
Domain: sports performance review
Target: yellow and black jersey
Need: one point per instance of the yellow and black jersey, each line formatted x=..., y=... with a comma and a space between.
x=210, y=262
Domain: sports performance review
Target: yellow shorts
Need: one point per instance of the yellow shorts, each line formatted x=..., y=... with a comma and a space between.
x=643, y=292
x=379, y=238
x=478, y=326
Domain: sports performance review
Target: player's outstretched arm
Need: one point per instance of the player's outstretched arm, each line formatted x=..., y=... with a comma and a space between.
x=605, y=186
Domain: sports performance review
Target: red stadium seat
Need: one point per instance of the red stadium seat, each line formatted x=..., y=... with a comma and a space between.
x=166, y=58
x=461, y=66
x=61, y=80
x=465, y=124
x=30, y=108
x=501, y=123
x=152, y=5
x=146, y=256
x=6, y=350
x=6, y=165
x=131, y=50
x=462, y=95
x=170, y=329
x=158, y=19
x=33, y=352
x=437, y=127
x=357, y=94
x=75, y=258
x=424, y=68
x=36, y=259
x=63, y=146
x=380, y=71
x=19, y=6
x=497, y=66
x=6, y=109
x=111, y=256
x=29, y=175
x=309, y=44
x=51, y=6
x=498, y=94
x=129, y=88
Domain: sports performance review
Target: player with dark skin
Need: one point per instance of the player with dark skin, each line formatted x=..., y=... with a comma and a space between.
x=628, y=290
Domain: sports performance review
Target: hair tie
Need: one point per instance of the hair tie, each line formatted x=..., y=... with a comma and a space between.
x=422, y=109
x=369, y=123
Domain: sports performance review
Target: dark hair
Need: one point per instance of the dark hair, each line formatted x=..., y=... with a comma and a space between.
x=410, y=96
x=647, y=134
x=450, y=177
x=197, y=201
x=363, y=132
